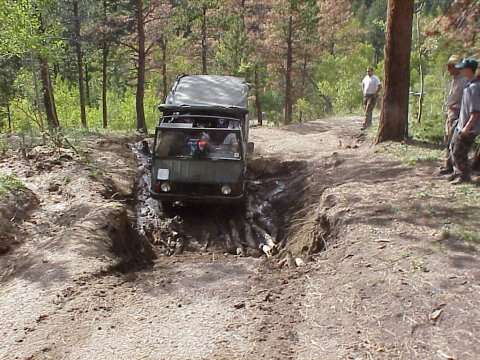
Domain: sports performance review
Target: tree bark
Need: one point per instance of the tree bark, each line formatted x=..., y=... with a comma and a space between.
x=394, y=116
x=105, y=51
x=204, y=40
x=288, y=73
x=78, y=51
x=141, y=124
x=258, y=102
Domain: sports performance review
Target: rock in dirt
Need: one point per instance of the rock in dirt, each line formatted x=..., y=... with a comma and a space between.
x=239, y=305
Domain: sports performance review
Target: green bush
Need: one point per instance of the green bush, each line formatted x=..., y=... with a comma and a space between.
x=121, y=110
x=340, y=77
x=9, y=183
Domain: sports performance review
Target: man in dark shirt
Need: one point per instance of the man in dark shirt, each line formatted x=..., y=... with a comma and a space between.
x=468, y=127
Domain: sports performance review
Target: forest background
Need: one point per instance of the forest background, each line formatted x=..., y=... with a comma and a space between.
x=104, y=64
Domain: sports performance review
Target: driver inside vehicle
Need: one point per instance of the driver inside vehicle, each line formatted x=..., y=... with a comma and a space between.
x=199, y=146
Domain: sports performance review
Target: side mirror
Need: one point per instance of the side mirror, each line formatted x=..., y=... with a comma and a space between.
x=250, y=148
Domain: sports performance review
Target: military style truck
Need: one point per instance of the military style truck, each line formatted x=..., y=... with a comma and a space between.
x=201, y=141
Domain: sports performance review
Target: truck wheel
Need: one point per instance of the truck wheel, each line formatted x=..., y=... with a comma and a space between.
x=166, y=207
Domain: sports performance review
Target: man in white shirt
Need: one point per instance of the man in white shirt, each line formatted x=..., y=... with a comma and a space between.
x=371, y=86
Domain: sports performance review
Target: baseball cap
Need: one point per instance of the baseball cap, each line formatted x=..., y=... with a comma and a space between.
x=467, y=64
x=454, y=59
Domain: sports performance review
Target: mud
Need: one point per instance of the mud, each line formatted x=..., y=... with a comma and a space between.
x=275, y=195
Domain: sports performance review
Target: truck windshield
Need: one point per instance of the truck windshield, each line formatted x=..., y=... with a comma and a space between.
x=212, y=144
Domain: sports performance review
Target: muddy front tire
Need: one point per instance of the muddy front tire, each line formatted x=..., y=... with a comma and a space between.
x=166, y=207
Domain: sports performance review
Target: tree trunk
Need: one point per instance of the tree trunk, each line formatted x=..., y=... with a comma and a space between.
x=9, y=117
x=141, y=124
x=394, y=116
x=87, y=85
x=258, y=103
x=304, y=80
x=37, y=100
x=420, y=69
x=421, y=97
x=47, y=88
x=78, y=51
x=204, y=40
x=163, y=45
x=104, y=84
x=288, y=73
x=105, y=51
x=48, y=97
x=54, y=104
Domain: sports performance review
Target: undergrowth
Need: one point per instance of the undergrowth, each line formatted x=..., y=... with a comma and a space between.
x=411, y=154
x=10, y=183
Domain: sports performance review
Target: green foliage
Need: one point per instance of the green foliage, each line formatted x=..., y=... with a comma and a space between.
x=464, y=234
x=437, y=51
x=305, y=111
x=238, y=39
x=3, y=146
x=411, y=154
x=340, y=76
x=17, y=27
x=121, y=114
x=9, y=183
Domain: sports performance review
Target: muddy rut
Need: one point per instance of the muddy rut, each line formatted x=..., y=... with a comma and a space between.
x=259, y=228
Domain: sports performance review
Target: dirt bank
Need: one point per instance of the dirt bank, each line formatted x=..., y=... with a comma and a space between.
x=389, y=260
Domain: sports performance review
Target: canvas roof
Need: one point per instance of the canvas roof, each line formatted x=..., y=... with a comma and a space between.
x=208, y=91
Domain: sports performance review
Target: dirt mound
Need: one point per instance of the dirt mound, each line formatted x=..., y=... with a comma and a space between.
x=105, y=235
x=313, y=227
x=14, y=206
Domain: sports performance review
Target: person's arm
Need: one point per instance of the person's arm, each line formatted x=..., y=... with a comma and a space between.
x=473, y=121
x=455, y=94
x=474, y=111
x=379, y=85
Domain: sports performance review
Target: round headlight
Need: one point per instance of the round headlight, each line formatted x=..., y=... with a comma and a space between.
x=226, y=190
x=166, y=187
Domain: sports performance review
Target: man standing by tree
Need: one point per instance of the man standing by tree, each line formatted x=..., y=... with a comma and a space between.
x=371, y=86
x=468, y=126
x=454, y=101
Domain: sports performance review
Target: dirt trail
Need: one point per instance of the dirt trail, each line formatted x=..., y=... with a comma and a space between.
x=391, y=283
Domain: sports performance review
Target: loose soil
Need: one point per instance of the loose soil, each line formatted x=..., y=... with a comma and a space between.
x=376, y=259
